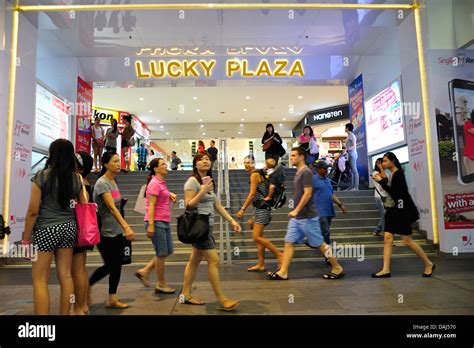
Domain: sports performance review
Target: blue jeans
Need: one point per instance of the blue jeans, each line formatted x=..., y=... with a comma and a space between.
x=355, y=174
x=162, y=240
x=325, y=222
x=381, y=225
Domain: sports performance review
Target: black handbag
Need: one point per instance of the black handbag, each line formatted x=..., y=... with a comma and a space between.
x=193, y=227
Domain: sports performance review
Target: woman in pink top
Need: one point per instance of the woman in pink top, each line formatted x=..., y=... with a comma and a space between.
x=158, y=211
x=469, y=144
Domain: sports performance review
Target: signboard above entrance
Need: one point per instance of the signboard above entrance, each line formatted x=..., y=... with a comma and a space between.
x=328, y=115
x=197, y=68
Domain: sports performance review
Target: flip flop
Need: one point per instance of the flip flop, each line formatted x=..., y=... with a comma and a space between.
x=276, y=276
x=256, y=269
x=166, y=290
x=192, y=301
x=143, y=279
x=332, y=276
x=230, y=308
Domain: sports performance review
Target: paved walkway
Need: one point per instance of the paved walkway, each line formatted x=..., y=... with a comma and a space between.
x=449, y=291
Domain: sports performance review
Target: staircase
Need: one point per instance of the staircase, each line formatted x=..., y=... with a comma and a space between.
x=355, y=227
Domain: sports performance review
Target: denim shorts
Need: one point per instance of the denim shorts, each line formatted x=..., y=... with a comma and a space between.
x=162, y=240
x=298, y=229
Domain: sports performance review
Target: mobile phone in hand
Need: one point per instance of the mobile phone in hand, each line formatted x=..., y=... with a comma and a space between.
x=206, y=180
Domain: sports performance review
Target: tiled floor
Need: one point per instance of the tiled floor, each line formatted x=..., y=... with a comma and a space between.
x=449, y=291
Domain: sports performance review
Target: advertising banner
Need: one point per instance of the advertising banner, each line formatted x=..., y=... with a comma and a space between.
x=452, y=95
x=357, y=117
x=83, y=115
x=105, y=115
x=52, y=117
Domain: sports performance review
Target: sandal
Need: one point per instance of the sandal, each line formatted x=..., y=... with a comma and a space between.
x=256, y=269
x=332, y=276
x=233, y=305
x=192, y=301
x=116, y=305
x=276, y=276
x=144, y=279
x=166, y=290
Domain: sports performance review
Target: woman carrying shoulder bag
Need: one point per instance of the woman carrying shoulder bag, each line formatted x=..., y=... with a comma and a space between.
x=271, y=143
x=51, y=224
x=400, y=217
x=200, y=195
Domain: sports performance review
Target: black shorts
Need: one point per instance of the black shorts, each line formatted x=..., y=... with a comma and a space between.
x=79, y=250
x=124, y=144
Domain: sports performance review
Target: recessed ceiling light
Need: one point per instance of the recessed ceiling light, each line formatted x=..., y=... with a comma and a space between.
x=240, y=132
x=281, y=124
x=284, y=119
x=150, y=110
x=245, y=110
x=247, y=97
x=241, y=125
x=158, y=121
x=161, y=126
x=197, y=110
x=203, y=133
x=142, y=99
x=167, y=133
x=195, y=98
x=300, y=97
x=242, y=119
x=202, y=125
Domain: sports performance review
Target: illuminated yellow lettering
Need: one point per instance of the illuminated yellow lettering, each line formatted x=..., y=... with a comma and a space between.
x=297, y=68
x=263, y=68
x=232, y=66
x=188, y=68
x=154, y=68
x=246, y=73
x=281, y=64
x=139, y=70
x=207, y=66
x=171, y=72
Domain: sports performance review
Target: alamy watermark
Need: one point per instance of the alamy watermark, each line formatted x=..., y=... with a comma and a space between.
x=346, y=251
x=20, y=251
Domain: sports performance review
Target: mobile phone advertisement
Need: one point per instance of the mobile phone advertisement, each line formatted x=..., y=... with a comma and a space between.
x=452, y=96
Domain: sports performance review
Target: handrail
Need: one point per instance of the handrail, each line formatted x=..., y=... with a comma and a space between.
x=227, y=202
x=38, y=163
x=219, y=192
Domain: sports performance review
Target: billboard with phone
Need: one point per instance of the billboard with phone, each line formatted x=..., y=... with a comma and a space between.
x=384, y=119
x=452, y=96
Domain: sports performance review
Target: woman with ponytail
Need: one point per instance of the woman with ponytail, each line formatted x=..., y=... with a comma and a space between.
x=157, y=224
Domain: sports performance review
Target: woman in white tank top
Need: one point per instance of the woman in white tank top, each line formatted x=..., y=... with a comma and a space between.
x=97, y=143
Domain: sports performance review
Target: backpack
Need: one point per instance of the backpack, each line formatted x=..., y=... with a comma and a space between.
x=279, y=195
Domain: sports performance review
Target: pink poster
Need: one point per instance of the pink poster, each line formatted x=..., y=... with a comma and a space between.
x=83, y=115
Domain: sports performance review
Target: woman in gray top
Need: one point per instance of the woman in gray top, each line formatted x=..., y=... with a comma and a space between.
x=112, y=242
x=51, y=224
x=201, y=196
x=111, y=137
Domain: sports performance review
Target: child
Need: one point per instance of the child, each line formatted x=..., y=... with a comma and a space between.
x=275, y=175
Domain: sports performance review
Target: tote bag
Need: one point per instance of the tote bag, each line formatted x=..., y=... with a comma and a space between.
x=140, y=205
x=193, y=227
x=313, y=146
x=87, y=225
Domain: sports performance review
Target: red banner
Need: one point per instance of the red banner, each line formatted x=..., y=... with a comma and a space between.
x=83, y=115
x=455, y=205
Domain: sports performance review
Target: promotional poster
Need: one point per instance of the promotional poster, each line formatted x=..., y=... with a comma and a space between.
x=452, y=94
x=357, y=117
x=83, y=115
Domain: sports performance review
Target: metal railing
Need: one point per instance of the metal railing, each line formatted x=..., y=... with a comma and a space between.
x=223, y=187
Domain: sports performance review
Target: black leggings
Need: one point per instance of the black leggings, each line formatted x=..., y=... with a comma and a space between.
x=111, y=249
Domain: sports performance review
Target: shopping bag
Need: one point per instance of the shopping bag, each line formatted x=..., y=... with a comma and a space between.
x=87, y=225
x=140, y=205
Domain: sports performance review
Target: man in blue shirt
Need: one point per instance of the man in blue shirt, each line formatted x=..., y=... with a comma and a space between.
x=323, y=198
x=142, y=155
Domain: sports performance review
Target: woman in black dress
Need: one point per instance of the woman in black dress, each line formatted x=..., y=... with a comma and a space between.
x=275, y=148
x=398, y=219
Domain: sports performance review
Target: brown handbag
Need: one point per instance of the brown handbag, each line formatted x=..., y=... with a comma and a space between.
x=267, y=145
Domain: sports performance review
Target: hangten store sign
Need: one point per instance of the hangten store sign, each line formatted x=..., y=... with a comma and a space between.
x=328, y=115
x=205, y=68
